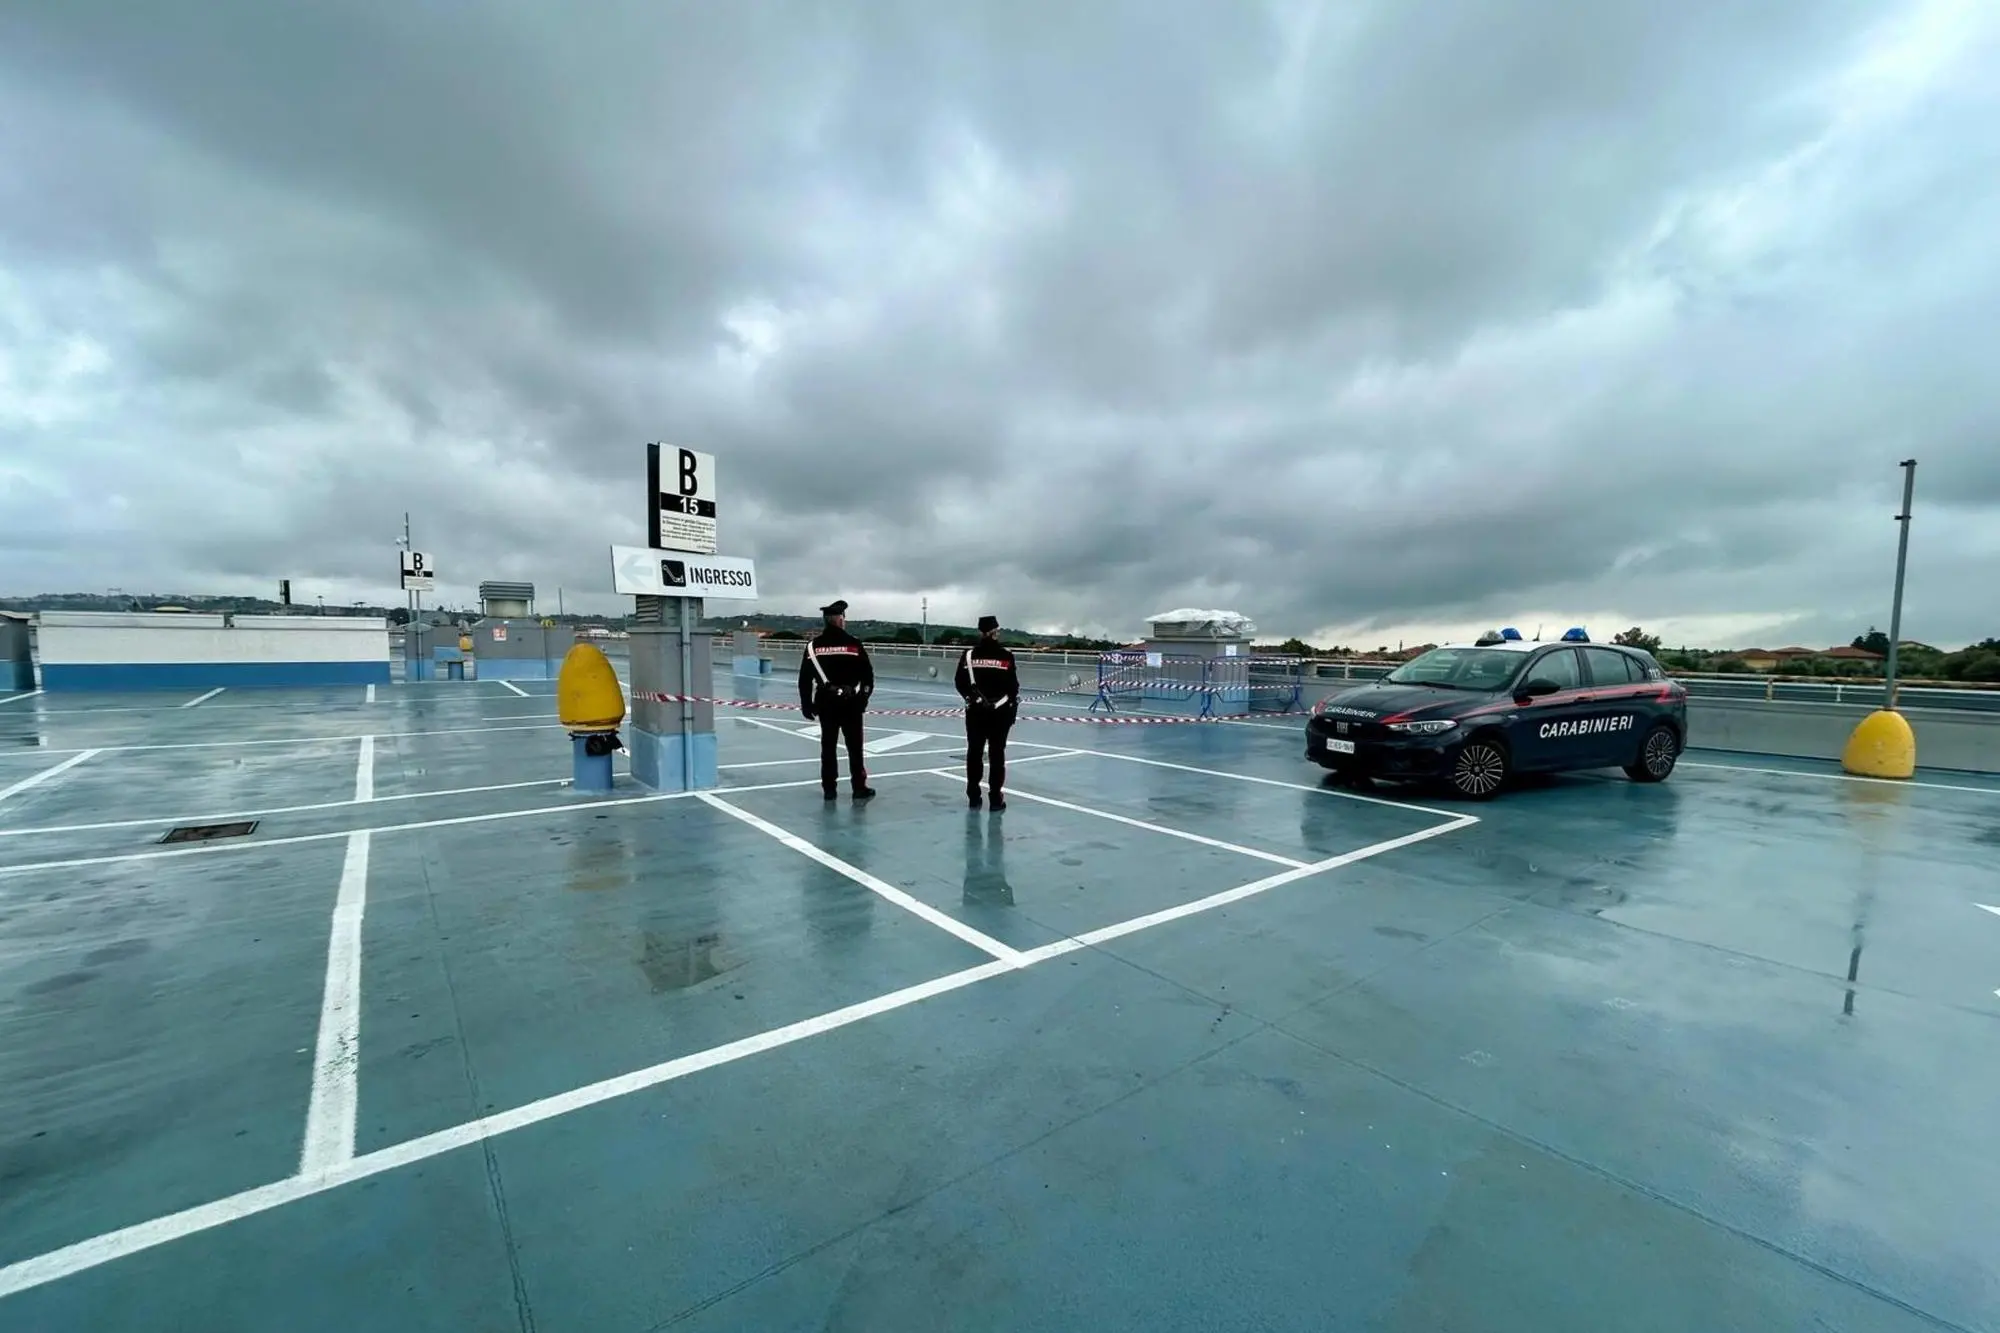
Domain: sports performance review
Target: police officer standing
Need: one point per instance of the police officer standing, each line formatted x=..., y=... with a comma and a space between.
x=991, y=687
x=835, y=680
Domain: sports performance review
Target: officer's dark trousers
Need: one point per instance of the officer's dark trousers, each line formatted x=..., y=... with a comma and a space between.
x=986, y=737
x=834, y=724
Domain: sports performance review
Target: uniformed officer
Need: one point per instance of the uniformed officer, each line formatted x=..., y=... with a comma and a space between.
x=835, y=680
x=991, y=687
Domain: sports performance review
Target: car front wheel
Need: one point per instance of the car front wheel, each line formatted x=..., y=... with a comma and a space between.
x=1657, y=755
x=1478, y=769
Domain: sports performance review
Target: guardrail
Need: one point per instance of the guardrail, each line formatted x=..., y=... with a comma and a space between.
x=1968, y=696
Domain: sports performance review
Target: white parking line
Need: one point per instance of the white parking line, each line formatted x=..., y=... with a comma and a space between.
x=814, y=759
x=37, y=779
x=16, y=698
x=371, y=695
x=204, y=698
x=1841, y=777
x=508, y=684
x=948, y=924
x=111, y=1246
x=570, y=807
x=1093, y=938
x=300, y=740
x=894, y=741
x=769, y=726
x=1274, y=782
x=329, y=1135
x=84, y=1255
x=1012, y=792
x=211, y=818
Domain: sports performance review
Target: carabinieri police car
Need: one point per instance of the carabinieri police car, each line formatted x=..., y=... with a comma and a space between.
x=1475, y=714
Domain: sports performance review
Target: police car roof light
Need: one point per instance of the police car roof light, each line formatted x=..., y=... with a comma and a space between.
x=1575, y=635
x=1489, y=637
x=1511, y=633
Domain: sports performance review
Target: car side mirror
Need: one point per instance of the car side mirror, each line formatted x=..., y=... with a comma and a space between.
x=1535, y=689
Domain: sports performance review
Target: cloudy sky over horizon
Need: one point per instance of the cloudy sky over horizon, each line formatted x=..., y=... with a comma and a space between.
x=1373, y=321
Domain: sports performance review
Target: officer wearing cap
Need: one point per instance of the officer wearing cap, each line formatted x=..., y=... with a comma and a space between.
x=835, y=680
x=991, y=687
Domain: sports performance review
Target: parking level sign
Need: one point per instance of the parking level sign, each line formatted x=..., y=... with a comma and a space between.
x=682, y=482
x=417, y=572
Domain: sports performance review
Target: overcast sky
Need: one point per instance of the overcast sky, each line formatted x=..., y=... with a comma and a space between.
x=1373, y=321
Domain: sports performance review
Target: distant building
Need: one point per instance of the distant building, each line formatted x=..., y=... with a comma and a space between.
x=1770, y=659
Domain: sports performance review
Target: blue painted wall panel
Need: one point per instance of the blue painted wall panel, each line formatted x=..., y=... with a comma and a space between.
x=58, y=677
x=657, y=761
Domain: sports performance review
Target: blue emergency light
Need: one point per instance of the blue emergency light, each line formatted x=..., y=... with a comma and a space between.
x=1575, y=635
x=1511, y=633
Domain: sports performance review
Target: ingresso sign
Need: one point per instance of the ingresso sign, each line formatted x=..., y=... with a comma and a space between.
x=638, y=571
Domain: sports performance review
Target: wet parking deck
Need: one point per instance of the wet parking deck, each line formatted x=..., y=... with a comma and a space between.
x=1182, y=1039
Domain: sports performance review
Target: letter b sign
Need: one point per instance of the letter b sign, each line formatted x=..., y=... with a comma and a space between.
x=690, y=483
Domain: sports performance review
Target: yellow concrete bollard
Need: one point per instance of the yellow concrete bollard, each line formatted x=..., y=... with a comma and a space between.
x=1882, y=746
x=587, y=695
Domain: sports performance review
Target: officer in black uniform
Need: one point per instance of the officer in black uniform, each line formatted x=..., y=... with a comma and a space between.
x=991, y=687
x=835, y=680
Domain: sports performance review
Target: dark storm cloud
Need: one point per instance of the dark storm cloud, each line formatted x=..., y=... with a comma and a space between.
x=1348, y=315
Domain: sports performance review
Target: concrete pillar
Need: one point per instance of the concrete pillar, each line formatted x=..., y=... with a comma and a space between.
x=17, y=664
x=749, y=654
x=673, y=746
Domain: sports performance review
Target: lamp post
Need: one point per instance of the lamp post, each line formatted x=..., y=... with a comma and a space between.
x=1909, y=466
x=1882, y=744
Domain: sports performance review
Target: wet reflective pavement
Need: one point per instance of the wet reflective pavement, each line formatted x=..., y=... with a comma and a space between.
x=1716, y=1054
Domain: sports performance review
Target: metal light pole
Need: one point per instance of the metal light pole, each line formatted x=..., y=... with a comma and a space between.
x=1909, y=466
x=1883, y=744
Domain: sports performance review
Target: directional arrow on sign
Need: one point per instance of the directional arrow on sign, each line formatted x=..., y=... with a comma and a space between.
x=637, y=567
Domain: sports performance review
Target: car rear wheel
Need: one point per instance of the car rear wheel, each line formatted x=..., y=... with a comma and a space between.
x=1658, y=754
x=1478, y=769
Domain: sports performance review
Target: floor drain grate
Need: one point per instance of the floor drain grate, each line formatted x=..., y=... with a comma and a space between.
x=209, y=832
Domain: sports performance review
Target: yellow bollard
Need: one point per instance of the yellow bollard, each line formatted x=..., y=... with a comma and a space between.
x=587, y=696
x=1882, y=746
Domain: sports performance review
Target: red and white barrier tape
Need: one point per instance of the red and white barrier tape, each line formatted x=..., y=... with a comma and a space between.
x=764, y=705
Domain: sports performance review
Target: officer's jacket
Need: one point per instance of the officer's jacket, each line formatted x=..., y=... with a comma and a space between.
x=836, y=671
x=986, y=672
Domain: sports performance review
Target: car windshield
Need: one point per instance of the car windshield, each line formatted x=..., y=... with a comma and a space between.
x=1459, y=668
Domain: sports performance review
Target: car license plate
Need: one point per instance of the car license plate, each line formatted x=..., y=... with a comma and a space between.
x=1339, y=747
